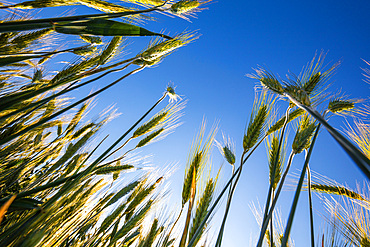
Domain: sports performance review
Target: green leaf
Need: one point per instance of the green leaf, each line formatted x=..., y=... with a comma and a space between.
x=102, y=27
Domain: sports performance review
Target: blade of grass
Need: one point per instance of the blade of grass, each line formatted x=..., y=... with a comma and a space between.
x=14, y=26
x=104, y=27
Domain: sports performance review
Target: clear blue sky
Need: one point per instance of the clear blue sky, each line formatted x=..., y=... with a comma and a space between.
x=210, y=72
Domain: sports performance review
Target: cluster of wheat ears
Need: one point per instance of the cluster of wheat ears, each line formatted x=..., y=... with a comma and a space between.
x=57, y=188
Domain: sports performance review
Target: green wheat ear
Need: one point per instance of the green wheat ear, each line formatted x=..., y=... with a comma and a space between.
x=110, y=50
x=312, y=83
x=197, y=159
x=303, y=135
x=337, y=190
x=184, y=6
x=279, y=124
x=158, y=50
x=150, y=125
x=273, y=155
x=258, y=121
x=202, y=208
x=268, y=81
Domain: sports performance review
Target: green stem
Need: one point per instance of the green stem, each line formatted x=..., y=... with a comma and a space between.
x=284, y=241
x=229, y=197
x=173, y=226
x=310, y=204
x=271, y=224
x=262, y=233
x=188, y=216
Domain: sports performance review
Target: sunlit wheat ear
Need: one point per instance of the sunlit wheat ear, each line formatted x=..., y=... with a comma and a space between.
x=268, y=80
x=302, y=139
x=187, y=8
x=71, y=71
x=350, y=218
x=198, y=157
x=360, y=134
x=292, y=115
x=298, y=94
x=341, y=105
x=104, y=6
x=158, y=50
x=133, y=221
x=112, y=217
x=202, y=208
x=91, y=39
x=111, y=169
x=122, y=192
x=272, y=147
x=149, y=138
x=78, y=116
x=227, y=149
x=184, y=6
x=258, y=121
x=337, y=190
x=110, y=50
x=327, y=185
x=141, y=196
x=42, y=4
x=145, y=2
x=85, y=51
x=21, y=41
x=151, y=235
x=166, y=119
x=314, y=76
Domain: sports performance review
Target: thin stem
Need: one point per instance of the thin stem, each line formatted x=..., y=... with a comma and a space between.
x=310, y=204
x=191, y=201
x=271, y=224
x=173, y=226
x=262, y=233
x=298, y=191
x=229, y=197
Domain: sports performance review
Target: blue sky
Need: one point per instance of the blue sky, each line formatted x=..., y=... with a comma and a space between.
x=237, y=36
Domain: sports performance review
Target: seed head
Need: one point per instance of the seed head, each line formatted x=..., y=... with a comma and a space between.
x=298, y=93
x=184, y=6
x=170, y=91
x=303, y=136
x=227, y=149
x=337, y=106
x=158, y=50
